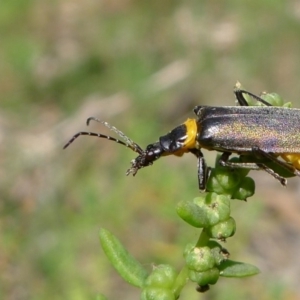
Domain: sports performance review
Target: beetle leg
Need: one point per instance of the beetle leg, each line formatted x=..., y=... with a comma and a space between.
x=240, y=98
x=203, y=170
x=203, y=173
x=223, y=161
x=281, y=179
x=242, y=101
x=253, y=166
x=258, y=152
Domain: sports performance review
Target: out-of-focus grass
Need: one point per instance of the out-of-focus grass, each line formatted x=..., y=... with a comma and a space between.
x=142, y=66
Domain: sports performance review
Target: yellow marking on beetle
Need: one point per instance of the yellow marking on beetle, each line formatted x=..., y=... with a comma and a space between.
x=292, y=158
x=190, y=141
x=191, y=129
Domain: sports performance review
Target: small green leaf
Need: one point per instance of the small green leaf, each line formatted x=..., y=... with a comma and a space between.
x=162, y=276
x=274, y=99
x=192, y=213
x=199, y=259
x=226, y=180
x=126, y=265
x=216, y=208
x=220, y=181
x=219, y=253
x=222, y=230
x=230, y=268
x=210, y=276
x=245, y=190
x=151, y=293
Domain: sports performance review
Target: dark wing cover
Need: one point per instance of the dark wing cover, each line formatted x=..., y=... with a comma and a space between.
x=238, y=129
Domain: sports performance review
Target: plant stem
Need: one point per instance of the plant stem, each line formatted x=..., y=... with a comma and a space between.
x=180, y=281
x=203, y=239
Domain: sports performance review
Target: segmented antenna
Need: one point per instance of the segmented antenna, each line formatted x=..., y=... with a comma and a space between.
x=127, y=141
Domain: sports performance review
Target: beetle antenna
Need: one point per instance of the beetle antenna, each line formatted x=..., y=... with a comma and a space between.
x=127, y=141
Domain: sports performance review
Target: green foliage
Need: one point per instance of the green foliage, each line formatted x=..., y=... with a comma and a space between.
x=229, y=268
x=123, y=262
x=206, y=261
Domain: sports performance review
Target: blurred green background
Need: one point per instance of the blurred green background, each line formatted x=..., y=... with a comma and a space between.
x=142, y=66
